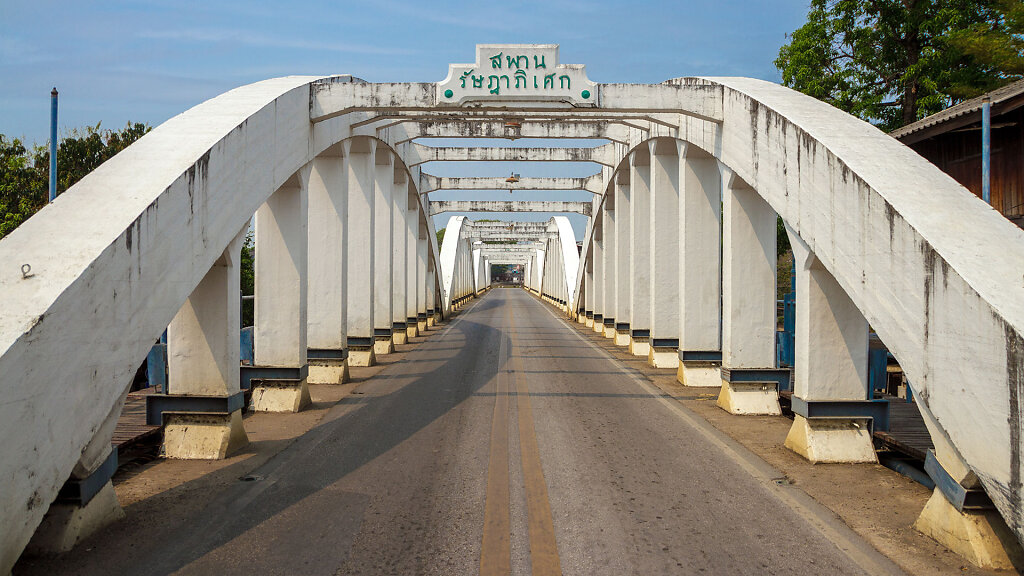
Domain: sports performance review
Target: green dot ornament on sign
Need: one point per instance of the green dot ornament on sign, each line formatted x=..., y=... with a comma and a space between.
x=448, y=93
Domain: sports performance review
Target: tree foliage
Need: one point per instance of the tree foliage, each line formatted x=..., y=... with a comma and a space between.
x=998, y=42
x=893, y=62
x=25, y=173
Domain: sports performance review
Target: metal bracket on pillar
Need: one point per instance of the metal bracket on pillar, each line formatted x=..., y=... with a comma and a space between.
x=250, y=373
x=709, y=357
x=599, y=318
x=589, y=314
x=382, y=333
x=641, y=334
x=608, y=322
x=961, y=498
x=326, y=354
x=622, y=326
x=80, y=492
x=876, y=411
x=159, y=404
x=781, y=377
x=399, y=325
x=665, y=343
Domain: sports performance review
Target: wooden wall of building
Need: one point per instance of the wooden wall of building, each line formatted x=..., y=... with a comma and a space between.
x=958, y=153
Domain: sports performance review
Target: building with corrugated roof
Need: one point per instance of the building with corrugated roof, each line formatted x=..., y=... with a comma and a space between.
x=951, y=140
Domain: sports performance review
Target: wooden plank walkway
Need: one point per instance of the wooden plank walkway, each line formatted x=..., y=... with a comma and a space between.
x=131, y=427
x=907, y=433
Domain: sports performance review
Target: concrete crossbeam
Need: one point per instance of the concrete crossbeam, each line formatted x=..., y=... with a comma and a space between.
x=430, y=183
x=442, y=206
x=604, y=155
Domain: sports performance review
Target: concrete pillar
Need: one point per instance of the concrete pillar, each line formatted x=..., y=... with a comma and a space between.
x=640, y=252
x=597, y=250
x=399, y=257
x=663, y=228
x=423, y=305
x=412, y=283
x=608, y=286
x=700, y=286
x=588, y=288
x=82, y=510
x=203, y=355
x=383, y=260
x=623, y=243
x=748, y=302
x=282, y=237
x=831, y=364
x=434, y=308
x=328, y=271
x=360, y=163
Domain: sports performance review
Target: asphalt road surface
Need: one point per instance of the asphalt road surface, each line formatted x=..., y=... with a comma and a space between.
x=506, y=443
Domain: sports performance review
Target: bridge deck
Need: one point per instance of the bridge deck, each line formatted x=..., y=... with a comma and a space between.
x=505, y=440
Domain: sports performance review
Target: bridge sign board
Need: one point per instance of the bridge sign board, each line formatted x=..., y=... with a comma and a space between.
x=517, y=72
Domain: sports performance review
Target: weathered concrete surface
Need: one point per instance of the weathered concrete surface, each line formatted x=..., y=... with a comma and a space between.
x=430, y=183
x=981, y=537
x=832, y=440
x=65, y=525
x=191, y=436
x=442, y=206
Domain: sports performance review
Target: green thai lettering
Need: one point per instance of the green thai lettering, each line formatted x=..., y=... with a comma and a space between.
x=464, y=76
x=478, y=81
x=521, y=75
x=494, y=83
x=514, y=61
x=539, y=63
x=564, y=81
x=549, y=81
x=496, y=60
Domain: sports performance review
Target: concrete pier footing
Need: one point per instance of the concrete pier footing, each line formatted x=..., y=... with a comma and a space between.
x=622, y=337
x=639, y=346
x=280, y=395
x=383, y=345
x=203, y=436
x=749, y=398
x=65, y=525
x=328, y=371
x=845, y=440
x=699, y=374
x=980, y=536
x=400, y=336
x=361, y=356
x=663, y=357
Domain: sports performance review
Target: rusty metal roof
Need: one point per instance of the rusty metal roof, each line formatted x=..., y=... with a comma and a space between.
x=1003, y=99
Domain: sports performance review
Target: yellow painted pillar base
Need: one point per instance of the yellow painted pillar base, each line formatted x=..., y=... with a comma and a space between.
x=622, y=337
x=280, y=396
x=197, y=436
x=609, y=332
x=981, y=537
x=749, y=398
x=323, y=371
x=640, y=346
x=383, y=345
x=831, y=440
x=65, y=525
x=588, y=322
x=661, y=358
x=399, y=336
x=361, y=357
x=699, y=375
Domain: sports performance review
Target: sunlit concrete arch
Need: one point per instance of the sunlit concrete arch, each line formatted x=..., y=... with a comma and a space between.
x=878, y=217
x=125, y=249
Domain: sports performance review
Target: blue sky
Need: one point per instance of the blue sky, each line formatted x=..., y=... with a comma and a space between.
x=145, y=61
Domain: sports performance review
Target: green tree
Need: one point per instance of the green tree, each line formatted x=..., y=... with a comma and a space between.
x=999, y=42
x=440, y=237
x=892, y=62
x=25, y=173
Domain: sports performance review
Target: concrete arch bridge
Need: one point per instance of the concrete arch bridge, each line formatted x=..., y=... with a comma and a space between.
x=678, y=263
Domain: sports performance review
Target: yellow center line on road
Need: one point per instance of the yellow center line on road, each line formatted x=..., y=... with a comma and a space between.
x=496, y=549
x=544, y=558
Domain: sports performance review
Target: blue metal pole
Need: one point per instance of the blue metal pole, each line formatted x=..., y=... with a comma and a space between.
x=986, y=150
x=53, y=144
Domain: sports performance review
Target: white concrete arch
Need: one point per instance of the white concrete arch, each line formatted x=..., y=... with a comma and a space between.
x=946, y=301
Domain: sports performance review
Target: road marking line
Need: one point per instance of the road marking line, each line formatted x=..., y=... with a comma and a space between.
x=825, y=521
x=496, y=548
x=544, y=559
